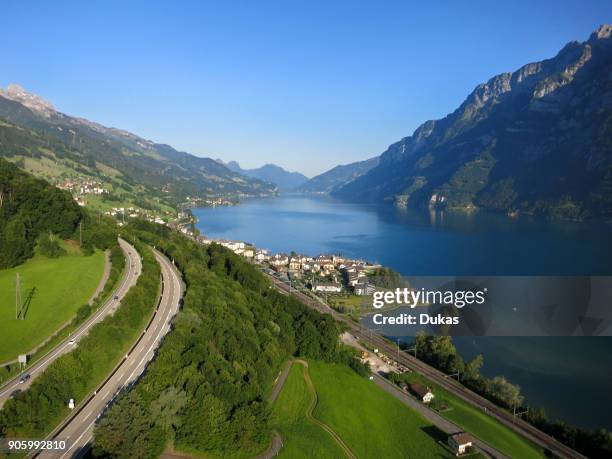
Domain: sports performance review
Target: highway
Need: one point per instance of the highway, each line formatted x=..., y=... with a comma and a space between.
x=515, y=423
x=78, y=429
x=133, y=268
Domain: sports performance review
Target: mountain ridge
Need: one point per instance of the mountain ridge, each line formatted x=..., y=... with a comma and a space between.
x=337, y=176
x=532, y=140
x=59, y=147
x=271, y=173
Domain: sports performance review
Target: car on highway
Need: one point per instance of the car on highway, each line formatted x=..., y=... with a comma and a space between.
x=72, y=342
x=24, y=378
x=116, y=297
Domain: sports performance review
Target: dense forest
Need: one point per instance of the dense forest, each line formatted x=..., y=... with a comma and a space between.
x=29, y=208
x=206, y=390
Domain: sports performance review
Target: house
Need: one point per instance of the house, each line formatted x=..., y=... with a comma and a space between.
x=325, y=263
x=233, y=245
x=460, y=443
x=280, y=259
x=326, y=287
x=364, y=288
x=337, y=259
x=261, y=255
x=421, y=392
x=248, y=252
x=352, y=278
x=295, y=264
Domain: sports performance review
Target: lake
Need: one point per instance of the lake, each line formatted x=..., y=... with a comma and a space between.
x=570, y=377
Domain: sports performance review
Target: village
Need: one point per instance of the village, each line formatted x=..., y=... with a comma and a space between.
x=323, y=274
x=81, y=188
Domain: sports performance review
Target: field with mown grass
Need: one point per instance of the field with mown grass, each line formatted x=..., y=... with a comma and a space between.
x=58, y=287
x=301, y=438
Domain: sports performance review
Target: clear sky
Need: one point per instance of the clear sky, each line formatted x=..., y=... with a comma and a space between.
x=307, y=85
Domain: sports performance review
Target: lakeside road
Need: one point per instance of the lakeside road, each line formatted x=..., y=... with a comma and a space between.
x=133, y=267
x=516, y=424
x=78, y=429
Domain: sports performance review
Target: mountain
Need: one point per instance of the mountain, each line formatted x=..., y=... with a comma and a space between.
x=338, y=176
x=58, y=147
x=271, y=173
x=537, y=140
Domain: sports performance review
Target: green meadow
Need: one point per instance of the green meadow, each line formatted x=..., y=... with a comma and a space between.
x=301, y=437
x=369, y=421
x=52, y=289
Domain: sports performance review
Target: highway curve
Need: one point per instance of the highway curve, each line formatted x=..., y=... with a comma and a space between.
x=133, y=267
x=518, y=425
x=78, y=429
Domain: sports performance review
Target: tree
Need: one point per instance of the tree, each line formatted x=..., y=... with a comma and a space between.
x=129, y=433
x=471, y=370
x=49, y=246
x=505, y=392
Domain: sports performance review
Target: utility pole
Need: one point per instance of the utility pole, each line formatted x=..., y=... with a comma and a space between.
x=515, y=414
x=398, y=349
x=17, y=295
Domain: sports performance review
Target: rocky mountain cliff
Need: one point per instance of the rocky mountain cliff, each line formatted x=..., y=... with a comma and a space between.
x=537, y=140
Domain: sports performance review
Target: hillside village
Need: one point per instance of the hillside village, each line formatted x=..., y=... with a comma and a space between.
x=323, y=274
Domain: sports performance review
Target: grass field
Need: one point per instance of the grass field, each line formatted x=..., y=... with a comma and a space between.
x=301, y=437
x=481, y=425
x=60, y=286
x=370, y=422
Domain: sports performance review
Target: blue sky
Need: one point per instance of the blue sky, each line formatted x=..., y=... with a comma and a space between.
x=306, y=85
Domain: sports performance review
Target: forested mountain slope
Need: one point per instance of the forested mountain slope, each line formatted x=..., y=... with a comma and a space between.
x=56, y=146
x=338, y=176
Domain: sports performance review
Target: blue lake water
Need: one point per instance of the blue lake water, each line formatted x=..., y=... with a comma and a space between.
x=570, y=377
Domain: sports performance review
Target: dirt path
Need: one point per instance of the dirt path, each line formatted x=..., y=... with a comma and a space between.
x=310, y=412
x=280, y=382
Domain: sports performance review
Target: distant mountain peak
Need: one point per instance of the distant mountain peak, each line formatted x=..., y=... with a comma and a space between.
x=17, y=93
x=271, y=173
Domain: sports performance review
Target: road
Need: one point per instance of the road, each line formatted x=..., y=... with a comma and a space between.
x=78, y=430
x=515, y=423
x=133, y=268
